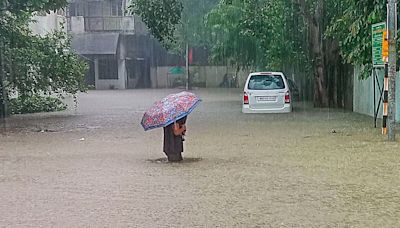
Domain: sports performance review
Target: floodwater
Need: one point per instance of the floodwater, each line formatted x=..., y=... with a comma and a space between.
x=94, y=166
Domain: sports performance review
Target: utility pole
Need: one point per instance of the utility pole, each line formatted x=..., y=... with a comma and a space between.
x=392, y=32
x=187, y=66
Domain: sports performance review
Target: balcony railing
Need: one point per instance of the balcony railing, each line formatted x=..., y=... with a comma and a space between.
x=93, y=24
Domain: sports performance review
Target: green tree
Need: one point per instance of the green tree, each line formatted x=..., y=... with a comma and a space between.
x=351, y=26
x=289, y=36
x=160, y=16
x=31, y=64
x=30, y=6
x=43, y=65
x=292, y=36
x=233, y=44
x=193, y=30
x=175, y=23
x=258, y=35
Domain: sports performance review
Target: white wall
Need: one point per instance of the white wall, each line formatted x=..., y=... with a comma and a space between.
x=77, y=24
x=162, y=78
x=105, y=84
x=128, y=23
x=363, y=98
x=46, y=24
x=122, y=74
x=153, y=77
x=211, y=76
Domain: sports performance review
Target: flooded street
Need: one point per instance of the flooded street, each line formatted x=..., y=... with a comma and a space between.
x=94, y=166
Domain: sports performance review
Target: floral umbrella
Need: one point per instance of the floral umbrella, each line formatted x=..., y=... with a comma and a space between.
x=169, y=109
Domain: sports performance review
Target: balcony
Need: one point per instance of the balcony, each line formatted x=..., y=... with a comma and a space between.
x=116, y=23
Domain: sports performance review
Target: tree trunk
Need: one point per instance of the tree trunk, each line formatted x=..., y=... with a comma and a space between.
x=316, y=27
x=333, y=62
x=335, y=85
x=237, y=79
x=320, y=89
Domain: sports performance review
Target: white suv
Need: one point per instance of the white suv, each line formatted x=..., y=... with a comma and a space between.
x=266, y=92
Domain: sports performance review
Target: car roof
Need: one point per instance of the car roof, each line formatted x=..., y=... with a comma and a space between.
x=266, y=73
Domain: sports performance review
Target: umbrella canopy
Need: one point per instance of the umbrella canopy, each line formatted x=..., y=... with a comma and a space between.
x=169, y=109
x=176, y=70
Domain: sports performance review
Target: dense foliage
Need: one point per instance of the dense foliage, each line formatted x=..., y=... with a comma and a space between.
x=35, y=103
x=161, y=17
x=33, y=64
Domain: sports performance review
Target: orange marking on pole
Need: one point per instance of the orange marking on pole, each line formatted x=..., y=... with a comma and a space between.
x=385, y=109
x=386, y=84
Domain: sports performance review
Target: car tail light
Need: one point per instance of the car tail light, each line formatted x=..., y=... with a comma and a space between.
x=287, y=97
x=245, y=98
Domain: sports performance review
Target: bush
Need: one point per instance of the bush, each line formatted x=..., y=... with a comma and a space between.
x=34, y=104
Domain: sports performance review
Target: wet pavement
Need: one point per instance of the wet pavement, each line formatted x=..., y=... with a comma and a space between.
x=94, y=166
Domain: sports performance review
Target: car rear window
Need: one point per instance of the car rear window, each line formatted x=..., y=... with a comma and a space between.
x=266, y=82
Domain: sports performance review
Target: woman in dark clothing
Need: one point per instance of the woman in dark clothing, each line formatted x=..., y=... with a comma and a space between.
x=173, y=140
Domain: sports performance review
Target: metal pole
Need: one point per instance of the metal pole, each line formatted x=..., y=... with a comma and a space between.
x=187, y=66
x=374, y=81
x=385, y=99
x=392, y=33
x=381, y=91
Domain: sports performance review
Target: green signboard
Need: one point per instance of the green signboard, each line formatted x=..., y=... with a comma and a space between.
x=377, y=38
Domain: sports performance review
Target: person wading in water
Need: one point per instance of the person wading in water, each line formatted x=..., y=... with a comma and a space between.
x=173, y=140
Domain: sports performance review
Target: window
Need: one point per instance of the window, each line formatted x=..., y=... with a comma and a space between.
x=95, y=9
x=120, y=8
x=266, y=82
x=108, y=69
x=76, y=9
x=116, y=8
x=71, y=10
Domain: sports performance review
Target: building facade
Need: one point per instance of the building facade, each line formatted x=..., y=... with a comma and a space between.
x=116, y=44
x=120, y=51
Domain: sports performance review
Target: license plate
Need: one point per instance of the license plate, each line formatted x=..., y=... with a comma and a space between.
x=266, y=98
